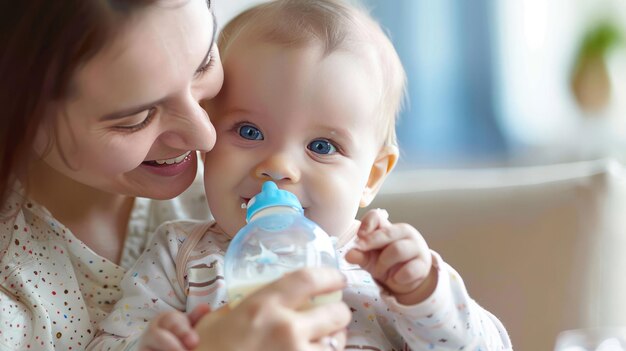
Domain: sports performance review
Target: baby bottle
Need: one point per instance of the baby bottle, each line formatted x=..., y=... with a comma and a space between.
x=277, y=239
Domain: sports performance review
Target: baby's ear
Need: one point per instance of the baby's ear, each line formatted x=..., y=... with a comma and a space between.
x=383, y=164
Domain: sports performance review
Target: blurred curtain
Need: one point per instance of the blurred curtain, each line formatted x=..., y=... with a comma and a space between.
x=446, y=49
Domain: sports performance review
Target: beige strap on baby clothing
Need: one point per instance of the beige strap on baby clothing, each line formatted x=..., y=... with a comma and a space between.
x=185, y=251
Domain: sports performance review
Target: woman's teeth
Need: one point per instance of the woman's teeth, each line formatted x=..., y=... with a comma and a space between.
x=171, y=161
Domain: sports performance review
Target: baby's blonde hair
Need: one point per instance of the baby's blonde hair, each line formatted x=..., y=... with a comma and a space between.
x=334, y=24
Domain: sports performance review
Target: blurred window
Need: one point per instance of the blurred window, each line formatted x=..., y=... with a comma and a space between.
x=446, y=47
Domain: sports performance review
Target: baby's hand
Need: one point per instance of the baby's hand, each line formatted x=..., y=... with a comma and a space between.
x=396, y=255
x=173, y=331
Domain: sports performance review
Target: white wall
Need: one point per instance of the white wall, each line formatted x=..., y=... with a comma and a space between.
x=536, y=44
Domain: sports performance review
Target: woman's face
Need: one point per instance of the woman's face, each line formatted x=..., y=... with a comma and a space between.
x=132, y=122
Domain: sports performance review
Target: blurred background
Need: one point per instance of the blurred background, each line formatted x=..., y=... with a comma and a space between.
x=496, y=83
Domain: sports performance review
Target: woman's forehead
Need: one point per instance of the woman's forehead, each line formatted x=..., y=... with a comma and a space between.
x=155, y=54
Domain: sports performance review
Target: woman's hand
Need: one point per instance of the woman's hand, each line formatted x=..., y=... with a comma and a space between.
x=272, y=318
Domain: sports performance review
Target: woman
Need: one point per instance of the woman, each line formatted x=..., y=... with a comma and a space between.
x=101, y=110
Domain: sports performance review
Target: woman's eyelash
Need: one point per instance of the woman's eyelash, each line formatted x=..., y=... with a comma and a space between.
x=141, y=125
x=206, y=66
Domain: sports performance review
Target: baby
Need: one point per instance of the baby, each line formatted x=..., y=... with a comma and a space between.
x=312, y=90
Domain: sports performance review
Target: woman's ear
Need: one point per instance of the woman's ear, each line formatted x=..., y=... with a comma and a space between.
x=44, y=134
x=41, y=141
x=383, y=164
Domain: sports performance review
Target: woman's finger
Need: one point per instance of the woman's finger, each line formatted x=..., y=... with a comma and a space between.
x=333, y=342
x=324, y=320
x=297, y=288
x=341, y=337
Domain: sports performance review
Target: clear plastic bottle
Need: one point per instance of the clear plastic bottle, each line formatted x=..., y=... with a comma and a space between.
x=277, y=239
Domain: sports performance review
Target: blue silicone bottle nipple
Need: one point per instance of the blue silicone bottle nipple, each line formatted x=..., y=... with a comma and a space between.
x=271, y=196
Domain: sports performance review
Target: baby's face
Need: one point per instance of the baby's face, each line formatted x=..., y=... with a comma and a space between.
x=303, y=120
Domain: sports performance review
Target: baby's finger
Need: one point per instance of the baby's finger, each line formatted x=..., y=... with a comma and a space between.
x=379, y=238
x=356, y=256
x=372, y=220
x=397, y=252
x=176, y=322
x=412, y=273
x=368, y=262
x=162, y=340
x=180, y=326
x=198, y=313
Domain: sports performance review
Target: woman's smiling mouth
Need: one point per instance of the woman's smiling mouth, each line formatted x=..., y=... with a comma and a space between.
x=169, y=161
x=171, y=166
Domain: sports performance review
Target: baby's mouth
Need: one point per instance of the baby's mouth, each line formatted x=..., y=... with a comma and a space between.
x=244, y=202
x=169, y=161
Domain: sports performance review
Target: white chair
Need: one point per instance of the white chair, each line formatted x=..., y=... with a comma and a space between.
x=540, y=247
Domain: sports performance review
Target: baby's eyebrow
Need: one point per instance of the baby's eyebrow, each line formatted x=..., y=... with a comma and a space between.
x=341, y=133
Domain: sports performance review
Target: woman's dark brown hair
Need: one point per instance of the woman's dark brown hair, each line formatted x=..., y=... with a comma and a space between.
x=42, y=44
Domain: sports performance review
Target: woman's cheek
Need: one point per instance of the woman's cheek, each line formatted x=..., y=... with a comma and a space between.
x=115, y=160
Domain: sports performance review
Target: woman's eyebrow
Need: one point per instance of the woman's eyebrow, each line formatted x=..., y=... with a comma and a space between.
x=208, y=53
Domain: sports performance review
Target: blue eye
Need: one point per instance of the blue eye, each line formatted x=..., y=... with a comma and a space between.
x=322, y=146
x=249, y=132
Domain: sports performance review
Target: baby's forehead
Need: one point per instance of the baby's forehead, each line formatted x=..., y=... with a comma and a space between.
x=350, y=73
x=365, y=53
x=340, y=29
x=344, y=29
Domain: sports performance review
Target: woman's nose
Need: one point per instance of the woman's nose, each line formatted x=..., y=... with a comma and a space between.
x=278, y=167
x=189, y=127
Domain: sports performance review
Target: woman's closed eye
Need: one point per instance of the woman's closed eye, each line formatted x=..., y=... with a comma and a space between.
x=205, y=67
x=137, y=121
x=322, y=147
